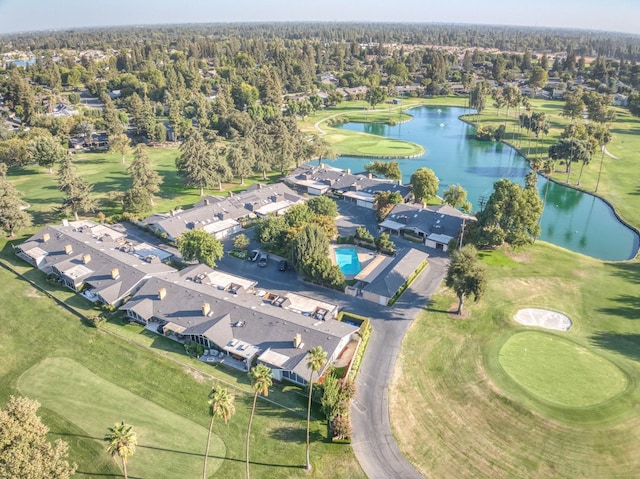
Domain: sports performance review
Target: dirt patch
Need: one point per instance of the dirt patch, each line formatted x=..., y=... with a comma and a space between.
x=197, y=375
x=453, y=312
x=518, y=256
x=32, y=293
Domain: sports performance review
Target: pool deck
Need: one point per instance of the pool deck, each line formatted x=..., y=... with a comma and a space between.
x=369, y=261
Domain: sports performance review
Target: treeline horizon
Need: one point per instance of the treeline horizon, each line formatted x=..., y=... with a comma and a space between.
x=619, y=45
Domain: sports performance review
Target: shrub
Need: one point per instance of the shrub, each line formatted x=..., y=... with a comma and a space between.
x=241, y=241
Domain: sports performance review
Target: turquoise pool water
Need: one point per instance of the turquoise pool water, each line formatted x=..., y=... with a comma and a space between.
x=347, y=260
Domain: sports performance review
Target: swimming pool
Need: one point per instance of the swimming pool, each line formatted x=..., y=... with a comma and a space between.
x=347, y=260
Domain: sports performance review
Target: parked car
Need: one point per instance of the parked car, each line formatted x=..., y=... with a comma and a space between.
x=283, y=266
x=253, y=256
x=263, y=259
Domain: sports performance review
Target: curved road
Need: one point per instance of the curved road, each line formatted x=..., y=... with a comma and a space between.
x=372, y=440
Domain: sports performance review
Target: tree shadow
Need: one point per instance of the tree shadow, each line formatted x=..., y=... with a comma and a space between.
x=295, y=434
x=626, y=344
x=173, y=451
x=629, y=307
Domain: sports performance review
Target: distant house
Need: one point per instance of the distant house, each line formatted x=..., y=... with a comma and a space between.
x=239, y=325
x=359, y=188
x=221, y=216
x=620, y=100
x=62, y=110
x=328, y=78
x=434, y=225
x=98, y=141
x=91, y=259
x=354, y=93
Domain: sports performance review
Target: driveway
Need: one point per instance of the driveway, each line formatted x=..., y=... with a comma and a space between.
x=372, y=440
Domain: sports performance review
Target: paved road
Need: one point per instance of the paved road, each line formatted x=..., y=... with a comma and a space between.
x=372, y=441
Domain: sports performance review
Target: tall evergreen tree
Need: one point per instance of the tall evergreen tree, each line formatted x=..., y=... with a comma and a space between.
x=196, y=164
x=142, y=173
x=12, y=214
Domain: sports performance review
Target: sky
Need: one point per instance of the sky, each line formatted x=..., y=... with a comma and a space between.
x=609, y=15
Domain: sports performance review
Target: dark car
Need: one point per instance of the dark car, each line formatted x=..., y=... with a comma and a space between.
x=283, y=266
x=263, y=259
x=253, y=256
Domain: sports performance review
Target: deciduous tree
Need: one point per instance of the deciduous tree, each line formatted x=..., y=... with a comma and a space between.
x=388, y=169
x=425, y=184
x=456, y=196
x=46, y=151
x=200, y=245
x=466, y=275
x=24, y=451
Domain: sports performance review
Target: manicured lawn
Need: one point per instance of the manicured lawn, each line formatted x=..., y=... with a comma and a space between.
x=169, y=444
x=455, y=411
x=40, y=348
x=109, y=177
x=559, y=371
x=618, y=182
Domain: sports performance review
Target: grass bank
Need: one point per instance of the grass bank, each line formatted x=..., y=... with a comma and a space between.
x=456, y=413
x=39, y=335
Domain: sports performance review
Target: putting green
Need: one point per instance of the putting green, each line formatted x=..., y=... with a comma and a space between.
x=168, y=444
x=559, y=371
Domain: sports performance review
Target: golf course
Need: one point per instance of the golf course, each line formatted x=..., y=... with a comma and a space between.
x=473, y=396
x=87, y=379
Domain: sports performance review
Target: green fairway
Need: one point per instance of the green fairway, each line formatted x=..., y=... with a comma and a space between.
x=168, y=445
x=559, y=371
x=87, y=379
x=352, y=143
x=457, y=413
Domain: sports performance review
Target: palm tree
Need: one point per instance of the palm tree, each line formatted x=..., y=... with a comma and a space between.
x=221, y=405
x=122, y=441
x=261, y=378
x=604, y=137
x=547, y=168
x=317, y=359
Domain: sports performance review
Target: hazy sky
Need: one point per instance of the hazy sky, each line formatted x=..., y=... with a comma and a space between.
x=612, y=15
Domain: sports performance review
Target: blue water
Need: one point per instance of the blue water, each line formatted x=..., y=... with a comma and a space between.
x=347, y=260
x=572, y=219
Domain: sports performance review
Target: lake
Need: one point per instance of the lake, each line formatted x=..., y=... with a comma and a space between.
x=572, y=219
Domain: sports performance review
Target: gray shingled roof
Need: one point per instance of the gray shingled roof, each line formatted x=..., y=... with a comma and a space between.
x=244, y=317
x=395, y=274
x=104, y=257
x=440, y=219
x=212, y=209
x=340, y=180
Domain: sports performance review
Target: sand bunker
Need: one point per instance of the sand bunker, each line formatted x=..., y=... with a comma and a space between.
x=543, y=318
